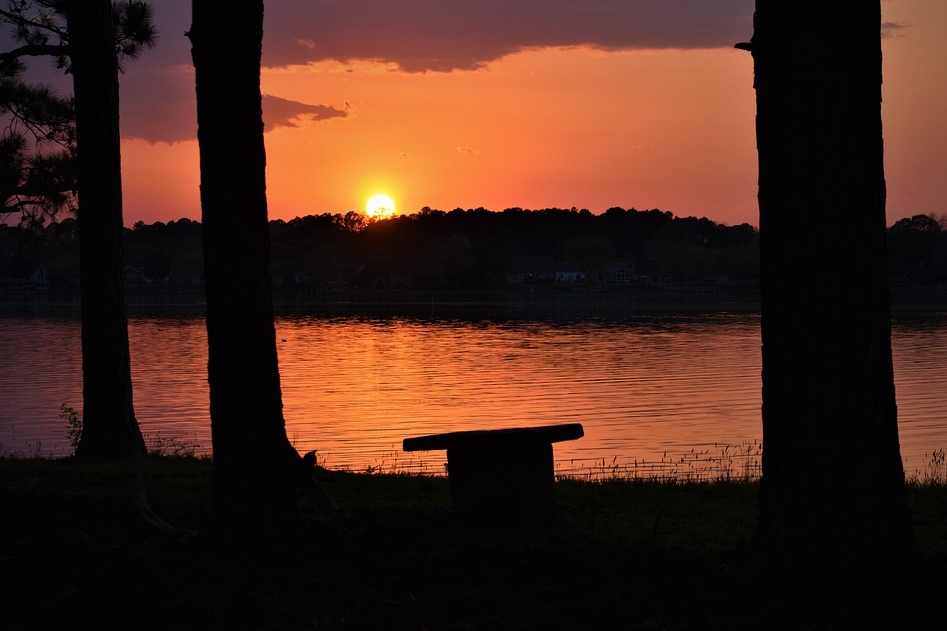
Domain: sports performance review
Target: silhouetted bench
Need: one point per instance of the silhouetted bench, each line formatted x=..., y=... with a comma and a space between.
x=501, y=474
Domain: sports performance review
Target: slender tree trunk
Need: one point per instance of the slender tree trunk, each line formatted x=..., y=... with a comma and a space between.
x=255, y=504
x=110, y=430
x=832, y=500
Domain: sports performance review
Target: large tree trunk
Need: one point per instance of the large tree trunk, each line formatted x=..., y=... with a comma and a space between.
x=832, y=500
x=254, y=503
x=110, y=430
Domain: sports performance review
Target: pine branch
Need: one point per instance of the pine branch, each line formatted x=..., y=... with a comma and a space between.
x=34, y=50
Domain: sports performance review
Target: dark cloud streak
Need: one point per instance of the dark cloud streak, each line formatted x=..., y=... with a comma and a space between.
x=892, y=29
x=278, y=112
x=445, y=35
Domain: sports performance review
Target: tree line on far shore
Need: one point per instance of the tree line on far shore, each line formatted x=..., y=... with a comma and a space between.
x=458, y=249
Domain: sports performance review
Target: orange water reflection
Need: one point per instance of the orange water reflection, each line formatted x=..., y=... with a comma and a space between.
x=650, y=389
x=354, y=391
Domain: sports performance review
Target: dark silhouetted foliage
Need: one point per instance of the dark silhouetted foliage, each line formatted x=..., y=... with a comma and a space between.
x=460, y=249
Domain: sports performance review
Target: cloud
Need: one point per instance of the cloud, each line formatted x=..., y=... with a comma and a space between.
x=445, y=35
x=173, y=117
x=158, y=103
x=469, y=150
x=892, y=29
x=278, y=112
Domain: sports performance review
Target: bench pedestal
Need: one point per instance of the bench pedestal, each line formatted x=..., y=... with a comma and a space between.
x=517, y=482
x=501, y=475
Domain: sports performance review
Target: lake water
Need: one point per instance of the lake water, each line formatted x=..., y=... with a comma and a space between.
x=650, y=390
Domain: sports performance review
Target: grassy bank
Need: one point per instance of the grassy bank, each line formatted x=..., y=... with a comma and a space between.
x=621, y=554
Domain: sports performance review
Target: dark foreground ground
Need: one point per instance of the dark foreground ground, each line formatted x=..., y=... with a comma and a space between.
x=75, y=554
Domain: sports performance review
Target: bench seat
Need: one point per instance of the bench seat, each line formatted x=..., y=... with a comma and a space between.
x=501, y=475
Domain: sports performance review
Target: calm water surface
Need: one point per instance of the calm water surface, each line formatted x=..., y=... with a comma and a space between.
x=649, y=391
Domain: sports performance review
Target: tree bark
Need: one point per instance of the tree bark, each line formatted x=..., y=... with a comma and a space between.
x=254, y=504
x=110, y=429
x=832, y=499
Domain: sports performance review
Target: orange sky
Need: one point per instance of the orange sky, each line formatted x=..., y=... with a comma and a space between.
x=528, y=116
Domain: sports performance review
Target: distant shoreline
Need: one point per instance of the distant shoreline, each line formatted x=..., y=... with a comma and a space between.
x=520, y=300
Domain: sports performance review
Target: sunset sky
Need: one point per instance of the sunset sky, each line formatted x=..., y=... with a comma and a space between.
x=503, y=103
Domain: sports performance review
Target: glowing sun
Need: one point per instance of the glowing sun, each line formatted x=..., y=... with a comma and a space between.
x=380, y=207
